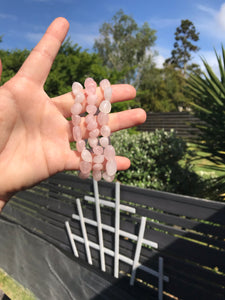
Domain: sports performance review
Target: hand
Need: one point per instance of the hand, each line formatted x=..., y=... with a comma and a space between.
x=35, y=134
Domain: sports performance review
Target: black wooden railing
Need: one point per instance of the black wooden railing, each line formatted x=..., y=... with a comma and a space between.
x=190, y=232
x=181, y=122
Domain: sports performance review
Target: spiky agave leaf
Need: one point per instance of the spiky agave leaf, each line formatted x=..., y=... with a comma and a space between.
x=208, y=94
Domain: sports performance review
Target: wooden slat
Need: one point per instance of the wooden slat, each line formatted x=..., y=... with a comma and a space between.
x=182, y=222
x=186, y=249
x=189, y=231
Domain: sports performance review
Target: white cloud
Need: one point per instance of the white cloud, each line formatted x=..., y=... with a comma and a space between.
x=160, y=55
x=164, y=22
x=207, y=9
x=34, y=37
x=159, y=61
x=210, y=58
x=84, y=35
x=212, y=22
x=8, y=16
x=221, y=17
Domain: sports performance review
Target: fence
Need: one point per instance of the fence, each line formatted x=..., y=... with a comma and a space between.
x=179, y=121
x=153, y=240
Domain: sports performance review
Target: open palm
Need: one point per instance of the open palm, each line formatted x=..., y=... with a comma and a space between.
x=35, y=134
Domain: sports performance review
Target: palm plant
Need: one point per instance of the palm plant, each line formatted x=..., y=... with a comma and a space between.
x=208, y=93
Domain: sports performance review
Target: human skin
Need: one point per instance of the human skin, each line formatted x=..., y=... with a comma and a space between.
x=35, y=133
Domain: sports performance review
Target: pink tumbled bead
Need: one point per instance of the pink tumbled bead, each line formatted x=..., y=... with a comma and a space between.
x=107, y=177
x=76, y=109
x=104, y=84
x=92, y=142
x=111, y=167
x=76, y=119
x=90, y=86
x=97, y=175
x=84, y=175
x=92, y=125
x=85, y=167
x=94, y=133
x=89, y=81
x=109, y=152
x=97, y=167
x=98, y=159
x=91, y=109
x=98, y=150
x=105, y=106
x=90, y=90
x=79, y=98
x=77, y=135
x=92, y=99
x=89, y=118
x=104, y=141
x=80, y=145
x=76, y=88
x=105, y=131
x=102, y=118
x=108, y=93
x=86, y=155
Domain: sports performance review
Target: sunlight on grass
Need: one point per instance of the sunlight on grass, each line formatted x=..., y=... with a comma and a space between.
x=203, y=166
x=13, y=289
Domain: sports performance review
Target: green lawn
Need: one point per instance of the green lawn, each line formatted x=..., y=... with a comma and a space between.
x=203, y=166
x=13, y=289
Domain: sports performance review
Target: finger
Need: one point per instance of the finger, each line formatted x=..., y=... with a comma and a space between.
x=39, y=62
x=74, y=158
x=126, y=119
x=120, y=92
x=0, y=69
x=117, y=121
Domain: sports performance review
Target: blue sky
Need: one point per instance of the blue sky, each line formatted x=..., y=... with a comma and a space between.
x=23, y=22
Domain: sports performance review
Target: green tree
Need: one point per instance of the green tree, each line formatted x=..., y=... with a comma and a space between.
x=161, y=90
x=185, y=37
x=12, y=61
x=73, y=64
x=123, y=45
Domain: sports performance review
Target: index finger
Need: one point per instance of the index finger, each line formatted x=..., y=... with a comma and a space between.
x=120, y=92
x=38, y=64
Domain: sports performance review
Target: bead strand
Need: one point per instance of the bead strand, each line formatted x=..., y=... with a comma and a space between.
x=100, y=152
x=92, y=127
x=103, y=119
x=85, y=164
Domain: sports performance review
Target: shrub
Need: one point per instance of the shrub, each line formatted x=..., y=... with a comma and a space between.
x=155, y=162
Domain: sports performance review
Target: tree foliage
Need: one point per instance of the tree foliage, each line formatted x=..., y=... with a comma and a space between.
x=123, y=45
x=161, y=90
x=73, y=64
x=185, y=37
x=11, y=62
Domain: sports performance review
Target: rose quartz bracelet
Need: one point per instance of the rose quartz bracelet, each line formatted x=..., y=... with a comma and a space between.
x=96, y=153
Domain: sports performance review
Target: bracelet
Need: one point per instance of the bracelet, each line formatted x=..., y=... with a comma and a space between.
x=95, y=152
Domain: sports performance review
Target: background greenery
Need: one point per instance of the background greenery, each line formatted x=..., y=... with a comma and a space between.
x=124, y=53
x=156, y=162
x=13, y=289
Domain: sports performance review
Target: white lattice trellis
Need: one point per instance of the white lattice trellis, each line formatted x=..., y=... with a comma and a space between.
x=139, y=239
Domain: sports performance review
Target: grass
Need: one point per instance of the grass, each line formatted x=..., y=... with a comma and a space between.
x=13, y=289
x=203, y=166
